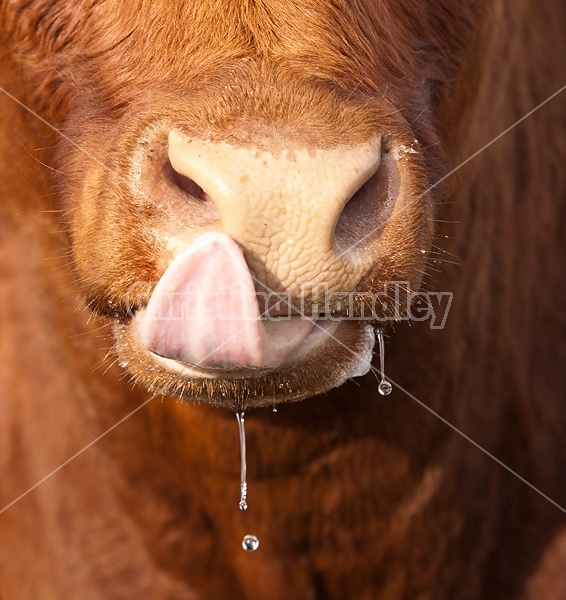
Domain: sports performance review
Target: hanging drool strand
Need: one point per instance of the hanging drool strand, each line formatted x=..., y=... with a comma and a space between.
x=384, y=387
x=243, y=505
x=250, y=543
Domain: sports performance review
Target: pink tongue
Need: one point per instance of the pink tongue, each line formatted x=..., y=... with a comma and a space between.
x=204, y=312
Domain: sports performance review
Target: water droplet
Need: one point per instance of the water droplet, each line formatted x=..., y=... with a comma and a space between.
x=250, y=543
x=124, y=363
x=423, y=251
x=384, y=387
x=242, y=505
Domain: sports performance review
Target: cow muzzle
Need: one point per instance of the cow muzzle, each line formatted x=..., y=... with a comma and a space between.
x=284, y=236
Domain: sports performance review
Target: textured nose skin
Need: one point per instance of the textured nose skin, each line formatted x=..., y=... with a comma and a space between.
x=282, y=207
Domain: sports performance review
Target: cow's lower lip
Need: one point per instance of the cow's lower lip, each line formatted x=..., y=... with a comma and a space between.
x=325, y=362
x=322, y=331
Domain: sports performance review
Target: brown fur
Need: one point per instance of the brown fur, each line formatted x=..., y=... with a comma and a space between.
x=351, y=495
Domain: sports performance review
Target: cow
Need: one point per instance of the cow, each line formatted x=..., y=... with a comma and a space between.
x=278, y=157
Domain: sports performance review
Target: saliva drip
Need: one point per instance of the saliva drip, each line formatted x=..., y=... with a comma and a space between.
x=243, y=505
x=250, y=543
x=384, y=387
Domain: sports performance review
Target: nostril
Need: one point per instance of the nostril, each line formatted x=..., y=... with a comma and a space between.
x=367, y=211
x=186, y=184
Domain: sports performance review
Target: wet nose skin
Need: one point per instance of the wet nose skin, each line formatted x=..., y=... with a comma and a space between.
x=282, y=207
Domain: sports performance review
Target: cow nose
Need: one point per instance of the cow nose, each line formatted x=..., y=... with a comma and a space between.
x=286, y=207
